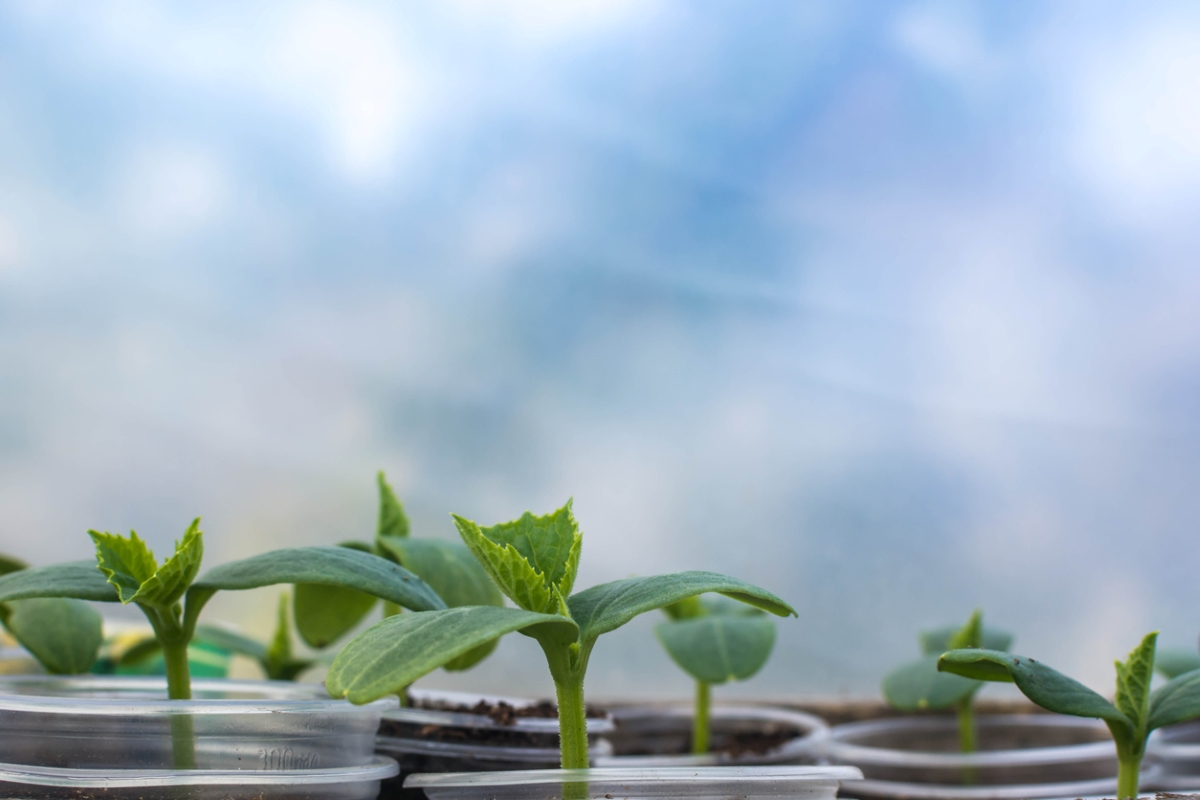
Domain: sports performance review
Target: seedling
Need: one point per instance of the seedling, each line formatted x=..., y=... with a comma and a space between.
x=714, y=640
x=64, y=635
x=919, y=686
x=172, y=597
x=324, y=613
x=1136, y=712
x=534, y=561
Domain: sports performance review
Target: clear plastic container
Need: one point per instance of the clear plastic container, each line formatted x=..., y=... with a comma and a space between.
x=1020, y=756
x=61, y=737
x=660, y=736
x=1175, y=752
x=742, y=783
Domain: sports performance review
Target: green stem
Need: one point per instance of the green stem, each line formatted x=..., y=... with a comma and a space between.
x=966, y=727
x=179, y=687
x=700, y=724
x=1129, y=766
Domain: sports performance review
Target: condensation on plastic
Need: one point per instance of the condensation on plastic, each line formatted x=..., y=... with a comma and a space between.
x=744, y=783
x=915, y=757
x=1176, y=755
x=663, y=729
x=115, y=733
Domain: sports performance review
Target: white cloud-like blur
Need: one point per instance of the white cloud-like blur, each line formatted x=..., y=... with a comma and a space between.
x=885, y=306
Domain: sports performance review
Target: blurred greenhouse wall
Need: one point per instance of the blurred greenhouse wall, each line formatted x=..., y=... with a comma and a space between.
x=890, y=307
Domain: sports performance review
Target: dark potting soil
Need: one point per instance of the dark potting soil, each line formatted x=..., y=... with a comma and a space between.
x=503, y=713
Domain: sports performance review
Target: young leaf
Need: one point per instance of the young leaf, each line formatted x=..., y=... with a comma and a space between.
x=9, y=564
x=325, y=614
x=608, y=606
x=332, y=566
x=78, y=579
x=719, y=647
x=455, y=575
x=395, y=652
x=130, y=567
x=1133, y=683
x=919, y=686
x=687, y=608
x=63, y=634
x=1176, y=701
x=937, y=641
x=533, y=559
x=1048, y=688
x=392, y=519
x=1172, y=663
x=970, y=635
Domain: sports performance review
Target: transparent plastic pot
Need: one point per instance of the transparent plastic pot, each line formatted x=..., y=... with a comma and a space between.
x=1020, y=756
x=660, y=736
x=437, y=740
x=119, y=737
x=1175, y=752
x=633, y=783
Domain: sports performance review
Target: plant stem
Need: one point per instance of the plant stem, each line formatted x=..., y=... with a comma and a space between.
x=700, y=726
x=179, y=677
x=1129, y=766
x=966, y=727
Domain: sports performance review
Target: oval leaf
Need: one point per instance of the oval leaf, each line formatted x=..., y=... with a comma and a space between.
x=919, y=686
x=78, y=579
x=455, y=575
x=1176, y=701
x=64, y=635
x=393, y=653
x=9, y=564
x=325, y=614
x=608, y=606
x=719, y=647
x=1172, y=663
x=1048, y=688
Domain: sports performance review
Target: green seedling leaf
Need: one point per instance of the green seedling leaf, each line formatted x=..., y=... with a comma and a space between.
x=455, y=575
x=395, y=652
x=9, y=564
x=1176, y=701
x=63, y=634
x=608, y=606
x=687, y=608
x=918, y=686
x=970, y=635
x=719, y=647
x=1048, y=688
x=325, y=614
x=329, y=566
x=937, y=641
x=232, y=641
x=76, y=579
x=1133, y=684
x=131, y=568
x=392, y=519
x=1172, y=663
x=533, y=559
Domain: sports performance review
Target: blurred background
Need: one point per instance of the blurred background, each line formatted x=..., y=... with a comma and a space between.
x=890, y=307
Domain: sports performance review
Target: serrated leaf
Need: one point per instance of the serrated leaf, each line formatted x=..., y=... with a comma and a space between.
x=327, y=566
x=608, y=606
x=1173, y=662
x=918, y=686
x=1176, y=701
x=10, y=564
x=1046, y=687
x=78, y=579
x=936, y=642
x=455, y=575
x=719, y=647
x=127, y=562
x=132, y=569
x=395, y=652
x=528, y=558
x=63, y=634
x=1133, y=683
x=392, y=519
